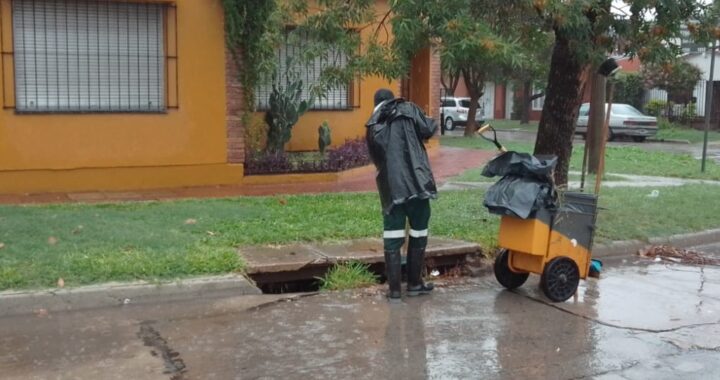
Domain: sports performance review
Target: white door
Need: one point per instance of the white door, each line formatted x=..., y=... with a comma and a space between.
x=488, y=101
x=509, y=101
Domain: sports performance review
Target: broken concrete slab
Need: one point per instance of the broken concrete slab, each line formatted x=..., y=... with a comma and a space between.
x=448, y=247
x=367, y=251
x=262, y=259
x=297, y=257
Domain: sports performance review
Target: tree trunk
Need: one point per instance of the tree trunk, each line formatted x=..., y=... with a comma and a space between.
x=475, y=85
x=562, y=103
x=526, y=102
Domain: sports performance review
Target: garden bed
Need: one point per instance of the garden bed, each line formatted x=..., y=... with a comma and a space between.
x=352, y=154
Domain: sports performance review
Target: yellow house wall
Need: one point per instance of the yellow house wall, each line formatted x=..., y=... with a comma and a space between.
x=36, y=150
x=344, y=124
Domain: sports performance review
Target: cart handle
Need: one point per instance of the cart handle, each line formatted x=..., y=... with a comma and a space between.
x=494, y=139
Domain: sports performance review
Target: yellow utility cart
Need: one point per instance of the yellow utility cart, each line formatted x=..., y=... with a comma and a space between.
x=553, y=244
x=554, y=241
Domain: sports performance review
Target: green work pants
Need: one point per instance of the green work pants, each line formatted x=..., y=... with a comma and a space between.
x=417, y=213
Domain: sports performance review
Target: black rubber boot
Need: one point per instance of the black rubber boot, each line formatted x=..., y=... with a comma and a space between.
x=392, y=272
x=415, y=265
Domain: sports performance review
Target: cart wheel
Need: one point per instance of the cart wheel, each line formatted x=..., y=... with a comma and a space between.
x=560, y=279
x=504, y=275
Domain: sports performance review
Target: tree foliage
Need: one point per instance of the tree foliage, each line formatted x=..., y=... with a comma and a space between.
x=678, y=78
x=475, y=39
x=586, y=31
x=252, y=30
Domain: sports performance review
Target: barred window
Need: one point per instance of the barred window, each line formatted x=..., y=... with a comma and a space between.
x=88, y=56
x=337, y=98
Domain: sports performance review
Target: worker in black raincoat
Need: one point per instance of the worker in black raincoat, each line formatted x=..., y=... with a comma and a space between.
x=395, y=134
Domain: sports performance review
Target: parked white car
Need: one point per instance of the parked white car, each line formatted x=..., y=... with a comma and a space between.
x=455, y=111
x=625, y=120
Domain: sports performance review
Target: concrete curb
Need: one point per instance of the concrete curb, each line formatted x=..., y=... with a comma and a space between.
x=669, y=141
x=630, y=247
x=119, y=294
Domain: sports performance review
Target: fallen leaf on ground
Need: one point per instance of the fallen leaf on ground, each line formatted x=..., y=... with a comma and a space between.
x=61, y=283
x=191, y=221
x=282, y=201
x=41, y=313
x=52, y=240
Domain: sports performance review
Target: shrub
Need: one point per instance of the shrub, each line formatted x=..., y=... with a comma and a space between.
x=655, y=107
x=267, y=163
x=349, y=155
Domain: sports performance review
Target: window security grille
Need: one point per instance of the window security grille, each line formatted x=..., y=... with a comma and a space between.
x=88, y=56
x=337, y=98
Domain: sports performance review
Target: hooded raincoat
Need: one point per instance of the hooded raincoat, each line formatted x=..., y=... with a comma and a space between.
x=395, y=134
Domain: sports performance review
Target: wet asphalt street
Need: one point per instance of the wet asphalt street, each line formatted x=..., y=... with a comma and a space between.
x=642, y=320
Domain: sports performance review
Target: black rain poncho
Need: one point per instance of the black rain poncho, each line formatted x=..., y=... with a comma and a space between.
x=526, y=186
x=395, y=134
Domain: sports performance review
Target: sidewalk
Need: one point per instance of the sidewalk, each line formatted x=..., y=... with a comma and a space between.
x=446, y=163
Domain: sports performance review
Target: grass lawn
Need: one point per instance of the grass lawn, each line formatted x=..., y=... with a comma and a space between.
x=624, y=160
x=672, y=131
x=164, y=240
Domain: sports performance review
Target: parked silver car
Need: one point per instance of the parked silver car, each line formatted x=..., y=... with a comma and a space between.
x=455, y=111
x=625, y=120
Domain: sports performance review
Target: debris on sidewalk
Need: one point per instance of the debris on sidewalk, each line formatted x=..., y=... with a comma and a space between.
x=595, y=268
x=677, y=255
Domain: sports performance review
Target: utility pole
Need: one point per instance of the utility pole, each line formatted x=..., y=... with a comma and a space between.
x=596, y=121
x=708, y=104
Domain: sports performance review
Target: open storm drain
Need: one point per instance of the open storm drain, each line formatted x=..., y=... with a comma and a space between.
x=308, y=278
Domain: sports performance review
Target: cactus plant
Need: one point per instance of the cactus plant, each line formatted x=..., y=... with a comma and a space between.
x=324, y=139
x=286, y=107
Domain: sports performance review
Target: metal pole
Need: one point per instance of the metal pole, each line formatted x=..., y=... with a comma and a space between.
x=606, y=129
x=708, y=105
x=442, y=113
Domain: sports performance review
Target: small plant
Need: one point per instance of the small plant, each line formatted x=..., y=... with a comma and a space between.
x=324, y=139
x=255, y=135
x=286, y=107
x=349, y=155
x=667, y=125
x=655, y=107
x=688, y=113
x=349, y=275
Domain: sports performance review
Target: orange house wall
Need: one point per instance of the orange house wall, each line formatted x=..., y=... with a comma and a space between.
x=344, y=124
x=184, y=146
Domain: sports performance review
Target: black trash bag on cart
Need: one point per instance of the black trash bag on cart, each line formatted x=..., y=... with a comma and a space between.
x=526, y=186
